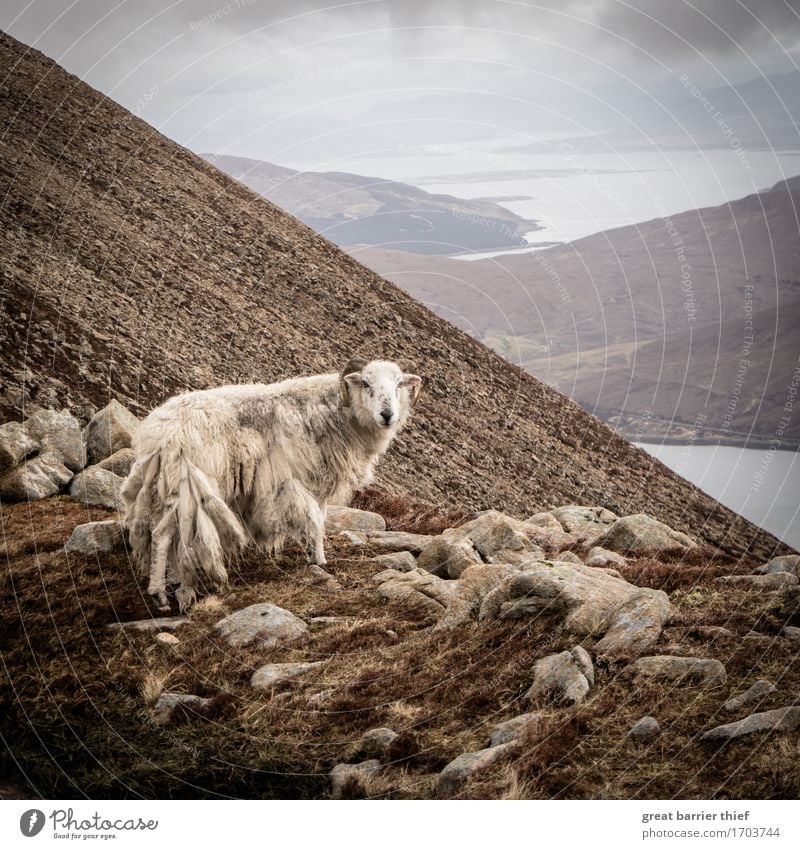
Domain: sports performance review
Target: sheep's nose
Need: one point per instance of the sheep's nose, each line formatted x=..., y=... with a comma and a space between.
x=386, y=415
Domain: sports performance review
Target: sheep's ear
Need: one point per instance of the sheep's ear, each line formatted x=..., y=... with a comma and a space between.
x=414, y=384
x=348, y=376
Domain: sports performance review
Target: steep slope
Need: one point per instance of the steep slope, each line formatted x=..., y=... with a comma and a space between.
x=131, y=268
x=350, y=209
x=572, y=314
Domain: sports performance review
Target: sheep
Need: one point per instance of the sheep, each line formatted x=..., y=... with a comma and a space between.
x=218, y=469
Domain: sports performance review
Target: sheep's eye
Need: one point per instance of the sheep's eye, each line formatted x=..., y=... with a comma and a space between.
x=365, y=384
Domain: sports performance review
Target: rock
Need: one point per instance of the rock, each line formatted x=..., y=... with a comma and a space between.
x=563, y=679
x=120, y=462
x=448, y=555
x=15, y=445
x=158, y=623
x=767, y=583
x=456, y=774
x=349, y=519
x=34, y=479
x=492, y=532
x=646, y=728
x=417, y=589
x=585, y=599
x=756, y=693
x=352, y=537
x=586, y=522
x=602, y=557
x=94, y=538
x=571, y=557
x=547, y=521
x=342, y=773
x=319, y=699
x=782, y=719
x=467, y=594
x=712, y=632
x=167, y=639
x=376, y=742
x=512, y=729
x=790, y=632
x=271, y=674
x=98, y=487
x=264, y=624
x=786, y=563
x=58, y=435
x=398, y=540
x=498, y=538
x=689, y=671
x=400, y=561
x=109, y=430
x=636, y=625
x=641, y=534
x=168, y=704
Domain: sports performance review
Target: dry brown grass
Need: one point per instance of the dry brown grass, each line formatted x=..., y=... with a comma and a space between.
x=76, y=696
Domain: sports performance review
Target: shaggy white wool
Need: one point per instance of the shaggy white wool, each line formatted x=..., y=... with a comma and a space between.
x=219, y=468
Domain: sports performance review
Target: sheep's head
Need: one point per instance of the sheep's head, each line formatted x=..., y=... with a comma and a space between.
x=379, y=393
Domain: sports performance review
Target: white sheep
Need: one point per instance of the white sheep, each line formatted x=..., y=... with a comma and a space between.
x=219, y=468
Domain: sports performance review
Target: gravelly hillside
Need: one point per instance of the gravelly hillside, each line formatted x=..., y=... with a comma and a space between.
x=132, y=268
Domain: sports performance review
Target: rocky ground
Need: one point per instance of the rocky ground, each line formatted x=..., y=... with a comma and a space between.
x=573, y=653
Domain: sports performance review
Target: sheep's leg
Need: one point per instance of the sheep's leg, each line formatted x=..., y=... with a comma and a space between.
x=314, y=531
x=162, y=540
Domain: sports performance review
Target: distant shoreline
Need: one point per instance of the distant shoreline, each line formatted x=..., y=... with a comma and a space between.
x=756, y=442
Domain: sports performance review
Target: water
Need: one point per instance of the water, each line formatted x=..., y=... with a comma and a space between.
x=573, y=195
x=760, y=484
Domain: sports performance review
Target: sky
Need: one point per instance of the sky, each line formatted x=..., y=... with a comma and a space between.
x=282, y=80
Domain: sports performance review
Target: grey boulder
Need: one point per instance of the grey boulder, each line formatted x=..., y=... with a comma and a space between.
x=98, y=487
x=758, y=691
x=265, y=625
x=562, y=679
x=171, y=705
x=108, y=431
x=642, y=534
x=97, y=538
x=689, y=671
x=272, y=674
x=458, y=772
x=349, y=519
x=341, y=774
x=646, y=728
x=782, y=719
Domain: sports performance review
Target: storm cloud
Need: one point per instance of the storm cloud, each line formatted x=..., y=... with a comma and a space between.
x=254, y=77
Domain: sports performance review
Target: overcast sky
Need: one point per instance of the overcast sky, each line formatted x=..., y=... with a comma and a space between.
x=253, y=76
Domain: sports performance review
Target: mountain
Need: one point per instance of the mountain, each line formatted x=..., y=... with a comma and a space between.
x=648, y=317
x=132, y=268
x=350, y=209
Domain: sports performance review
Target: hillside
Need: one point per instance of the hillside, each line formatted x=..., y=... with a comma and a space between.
x=577, y=315
x=132, y=268
x=350, y=209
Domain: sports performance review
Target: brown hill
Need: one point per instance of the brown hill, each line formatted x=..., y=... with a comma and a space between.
x=578, y=315
x=133, y=269
x=350, y=209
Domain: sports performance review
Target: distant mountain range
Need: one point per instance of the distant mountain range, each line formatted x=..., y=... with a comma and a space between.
x=654, y=326
x=350, y=209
